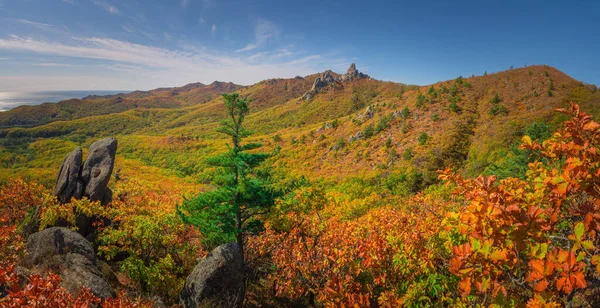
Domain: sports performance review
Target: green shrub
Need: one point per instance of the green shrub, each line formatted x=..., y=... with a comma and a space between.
x=408, y=154
x=405, y=113
x=368, y=131
x=423, y=137
x=421, y=100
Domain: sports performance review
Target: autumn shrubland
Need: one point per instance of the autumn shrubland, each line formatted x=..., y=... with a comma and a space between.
x=479, y=191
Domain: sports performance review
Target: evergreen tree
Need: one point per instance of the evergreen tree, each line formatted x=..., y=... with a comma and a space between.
x=243, y=192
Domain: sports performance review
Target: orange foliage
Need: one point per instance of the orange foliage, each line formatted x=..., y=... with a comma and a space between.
x=383, y=257
x=47, y=292
x=17, y=198
x=538, y=236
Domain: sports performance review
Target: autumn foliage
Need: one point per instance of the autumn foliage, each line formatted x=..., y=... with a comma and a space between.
x=533, y=240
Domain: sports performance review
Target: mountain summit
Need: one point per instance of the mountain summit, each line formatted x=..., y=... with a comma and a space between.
x=327, y=78
x=352, y=74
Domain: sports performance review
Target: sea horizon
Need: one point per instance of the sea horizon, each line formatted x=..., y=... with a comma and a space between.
x=13, y=99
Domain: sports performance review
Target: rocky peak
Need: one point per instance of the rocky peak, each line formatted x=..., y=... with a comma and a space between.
x=327, y=78
x=353, y=74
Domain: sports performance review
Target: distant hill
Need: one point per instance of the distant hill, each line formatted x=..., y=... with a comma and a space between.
x=190, y=94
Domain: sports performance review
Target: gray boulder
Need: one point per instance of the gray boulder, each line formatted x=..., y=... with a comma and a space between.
x=359, y=135
x=217, y=281
x=67, y=176
x=98, y=167
x=71, y=256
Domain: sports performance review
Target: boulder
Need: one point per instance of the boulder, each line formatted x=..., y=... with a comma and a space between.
x=359, y=135
x=98, y=167
x=368, y=114
x=217, y=281
x=66, y=182
x=71, y=256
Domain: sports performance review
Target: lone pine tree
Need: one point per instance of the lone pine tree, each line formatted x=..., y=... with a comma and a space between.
x=243, y=192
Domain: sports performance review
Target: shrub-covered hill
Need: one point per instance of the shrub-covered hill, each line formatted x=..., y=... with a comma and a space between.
x=193, y=93
x=373, y=128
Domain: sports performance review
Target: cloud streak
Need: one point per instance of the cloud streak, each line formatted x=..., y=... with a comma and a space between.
x=155, y=66
x=264, y=32
x=106, y=6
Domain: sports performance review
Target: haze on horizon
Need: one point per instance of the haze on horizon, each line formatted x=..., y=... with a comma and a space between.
x=116, y=45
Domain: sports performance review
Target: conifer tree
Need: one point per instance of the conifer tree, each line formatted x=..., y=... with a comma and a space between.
x=242, y=190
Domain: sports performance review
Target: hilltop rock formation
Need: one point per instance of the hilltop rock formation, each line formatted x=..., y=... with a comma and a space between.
x=352, y=74
x=68, y=175
x=71, y=256
x=327, y=79
x=90, y=180
x=217, y=281
x=322, y=81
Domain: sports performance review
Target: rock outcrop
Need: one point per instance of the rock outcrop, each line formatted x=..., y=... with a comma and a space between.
x=90, y=180
x=322, y=81
x=367, y=115
x=68, y=176
x=98, y=167
x=359, y=135
x=217, y=281
x=352, y=74
x=71, y=256
x=327, y=79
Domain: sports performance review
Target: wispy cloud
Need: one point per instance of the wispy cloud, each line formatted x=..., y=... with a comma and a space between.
x=127, y=29
x=52, y=64
x=208, y=4
x=155, y=66
x=264, y=32
x=184, y=3
x=36, y=24
x=213, y=30
x=106, y=6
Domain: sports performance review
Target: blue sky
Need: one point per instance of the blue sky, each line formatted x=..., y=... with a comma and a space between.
x=127, y=45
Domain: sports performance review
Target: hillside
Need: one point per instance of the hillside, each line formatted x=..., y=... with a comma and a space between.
x=194, y=93
x=454, y=115
x=372, y=193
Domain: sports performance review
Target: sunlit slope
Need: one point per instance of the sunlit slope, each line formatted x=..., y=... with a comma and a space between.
x=396, y=128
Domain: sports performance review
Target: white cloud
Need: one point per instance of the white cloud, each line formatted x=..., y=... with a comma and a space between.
x=184, y=3
x=264, y=32
x=106, y=6
x=247, y=48
x=201, y=20
x=36, y=24
x=213, y=30
x=146, y=66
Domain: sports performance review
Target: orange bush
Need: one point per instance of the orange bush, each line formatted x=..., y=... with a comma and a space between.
x=535, y=239
x=388, y=257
